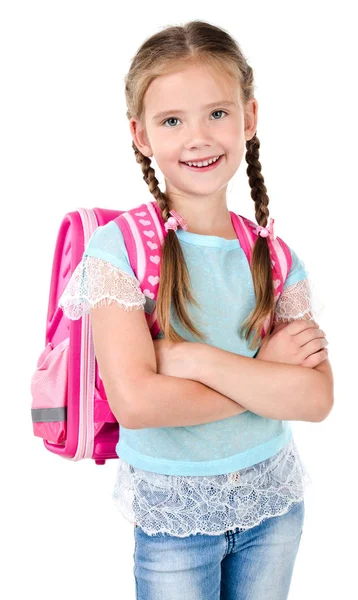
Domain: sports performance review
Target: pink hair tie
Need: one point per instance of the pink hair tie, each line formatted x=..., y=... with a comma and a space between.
x=171, y=223
x=174, y=221
x=266, y=231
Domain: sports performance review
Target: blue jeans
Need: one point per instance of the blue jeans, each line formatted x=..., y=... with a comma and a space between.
x=256, y=564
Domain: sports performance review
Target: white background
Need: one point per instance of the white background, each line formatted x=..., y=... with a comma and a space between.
x=65, y=143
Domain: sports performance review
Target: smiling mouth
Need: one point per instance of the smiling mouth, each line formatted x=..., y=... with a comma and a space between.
x=209, y=167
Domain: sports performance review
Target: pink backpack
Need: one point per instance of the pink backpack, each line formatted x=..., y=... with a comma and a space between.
x=69, y=407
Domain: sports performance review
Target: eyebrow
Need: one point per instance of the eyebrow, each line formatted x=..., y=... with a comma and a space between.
x=175, y=111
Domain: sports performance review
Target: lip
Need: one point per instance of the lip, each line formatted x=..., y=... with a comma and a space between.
x=204, y=169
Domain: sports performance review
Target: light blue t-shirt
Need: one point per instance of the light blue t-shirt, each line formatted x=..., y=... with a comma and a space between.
x=222, y=284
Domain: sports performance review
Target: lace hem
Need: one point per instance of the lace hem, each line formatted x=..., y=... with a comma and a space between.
x=96, y=282
x=186, y=505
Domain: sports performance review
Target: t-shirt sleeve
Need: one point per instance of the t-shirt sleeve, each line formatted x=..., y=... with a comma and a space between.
x=294, y=303
x=103, y=276
x=297, y=272
x=299, y=299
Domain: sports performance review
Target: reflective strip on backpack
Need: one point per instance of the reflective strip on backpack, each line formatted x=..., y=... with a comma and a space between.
x=149, y=305
x=49, y=415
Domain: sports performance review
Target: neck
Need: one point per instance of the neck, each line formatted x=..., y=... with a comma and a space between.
x=206, y=216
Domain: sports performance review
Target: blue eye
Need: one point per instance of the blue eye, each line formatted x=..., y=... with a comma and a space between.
x=170, y=119
x=219, y=111
x=176, y=118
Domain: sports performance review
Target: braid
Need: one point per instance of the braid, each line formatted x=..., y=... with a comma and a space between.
x=261, y=259
x=174, y=282
x=150, y=178
x=256, y=181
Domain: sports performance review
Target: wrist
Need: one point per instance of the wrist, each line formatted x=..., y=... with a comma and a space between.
x=187, y=359
x=196, y=359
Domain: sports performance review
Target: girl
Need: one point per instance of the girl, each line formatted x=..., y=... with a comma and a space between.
x=208, y=470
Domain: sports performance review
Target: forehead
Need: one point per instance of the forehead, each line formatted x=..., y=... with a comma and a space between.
x=190, y=88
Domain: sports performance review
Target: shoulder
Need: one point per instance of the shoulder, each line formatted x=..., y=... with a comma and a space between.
x=104, y=234
x=298, y=270
x=107, y=242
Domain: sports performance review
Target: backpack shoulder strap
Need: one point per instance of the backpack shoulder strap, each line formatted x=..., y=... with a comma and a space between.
x=280, y=253
x=143, y=232
x=281, y=259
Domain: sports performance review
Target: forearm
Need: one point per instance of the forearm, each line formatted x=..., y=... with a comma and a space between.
x=165, y=401
x=269, y=389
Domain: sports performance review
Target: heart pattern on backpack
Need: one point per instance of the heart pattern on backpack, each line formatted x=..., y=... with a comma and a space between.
x=153, y=280
x=276, y=283
x=152, y=245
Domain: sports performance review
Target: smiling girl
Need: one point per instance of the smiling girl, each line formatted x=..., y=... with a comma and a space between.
x=208, y=468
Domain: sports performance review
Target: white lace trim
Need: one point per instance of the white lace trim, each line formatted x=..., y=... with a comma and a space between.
x=298, y=301
x=95, y=282
x=186, y=505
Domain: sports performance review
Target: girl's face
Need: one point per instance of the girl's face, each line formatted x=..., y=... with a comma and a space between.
x=189, y=130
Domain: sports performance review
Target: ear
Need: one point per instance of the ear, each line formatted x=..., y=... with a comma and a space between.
x=251, y=117
x=139, y=136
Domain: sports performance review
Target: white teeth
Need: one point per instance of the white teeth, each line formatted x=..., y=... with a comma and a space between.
x=204, y=163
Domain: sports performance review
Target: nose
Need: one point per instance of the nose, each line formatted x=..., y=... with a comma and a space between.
x=198, y=136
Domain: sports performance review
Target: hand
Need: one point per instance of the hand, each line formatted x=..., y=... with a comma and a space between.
x=300, y=342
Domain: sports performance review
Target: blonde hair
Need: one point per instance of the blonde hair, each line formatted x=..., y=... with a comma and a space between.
x=162, y=53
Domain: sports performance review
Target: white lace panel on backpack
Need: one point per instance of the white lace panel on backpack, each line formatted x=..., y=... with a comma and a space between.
x=96, y=282
x=296, y=302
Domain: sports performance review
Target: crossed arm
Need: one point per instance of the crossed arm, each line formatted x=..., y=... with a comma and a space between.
x=257, y=385
x=309, y=390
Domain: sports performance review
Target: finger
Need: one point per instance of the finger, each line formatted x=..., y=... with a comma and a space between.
x=313, y=347
x=299, y=325
x=315, y=359
x=306, y=336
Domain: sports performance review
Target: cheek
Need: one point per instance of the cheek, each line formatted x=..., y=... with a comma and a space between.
x=167, y=160
x=234, y=134
x=169, y=155
x=236, y=142
x=166, y=147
